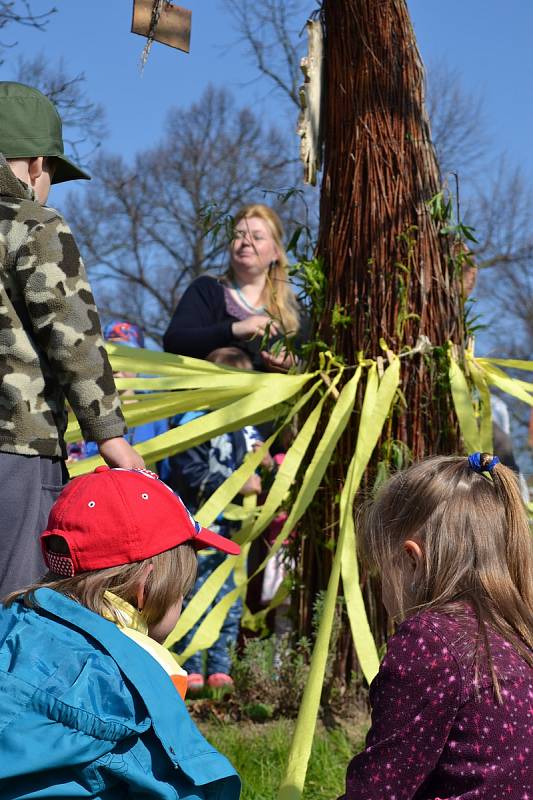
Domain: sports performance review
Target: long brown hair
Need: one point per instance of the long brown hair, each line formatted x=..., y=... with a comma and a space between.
x=476, y=543
x=173, y=575
x=278, y=297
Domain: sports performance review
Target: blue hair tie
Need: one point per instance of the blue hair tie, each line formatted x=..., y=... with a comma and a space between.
x=475, y=461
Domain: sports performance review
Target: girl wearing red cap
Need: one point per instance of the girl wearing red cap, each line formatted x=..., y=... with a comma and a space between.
x=91, y=702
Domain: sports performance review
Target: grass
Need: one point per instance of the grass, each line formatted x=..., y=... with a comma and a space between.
x=259, y=753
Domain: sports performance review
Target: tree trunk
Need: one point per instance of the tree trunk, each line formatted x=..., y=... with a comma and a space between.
x=387, y=266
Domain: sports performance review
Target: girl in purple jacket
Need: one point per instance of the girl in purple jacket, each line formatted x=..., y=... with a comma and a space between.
x=452, y=704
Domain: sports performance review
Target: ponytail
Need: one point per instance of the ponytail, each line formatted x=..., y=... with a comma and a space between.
x=469, y=516
x=518, y=554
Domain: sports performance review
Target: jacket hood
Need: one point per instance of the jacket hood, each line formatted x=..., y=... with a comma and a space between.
x=10, y=184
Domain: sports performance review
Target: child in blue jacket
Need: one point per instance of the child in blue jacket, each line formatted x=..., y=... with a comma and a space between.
x=90, y=702
x=196, y=474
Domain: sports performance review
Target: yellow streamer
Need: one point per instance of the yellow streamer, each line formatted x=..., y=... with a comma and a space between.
x=142, y=408
x=300, y=751
x=256, y=407
x=310, y=483
x=485, y=416
x=519, y=389
x=462, y=400
x=207, y=635
x=311, y=480
x=130, y=359
x=376, y=408
x=510, y=363
x=201, y=601
x=209, y=629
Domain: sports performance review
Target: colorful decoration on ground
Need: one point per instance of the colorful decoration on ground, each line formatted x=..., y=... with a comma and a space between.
x=235, y=398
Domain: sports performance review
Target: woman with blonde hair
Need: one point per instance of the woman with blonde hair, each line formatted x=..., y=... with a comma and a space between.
x=453, y=700
x=252, y=303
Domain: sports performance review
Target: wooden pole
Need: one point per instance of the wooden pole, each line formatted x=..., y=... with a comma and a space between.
x=387, y=266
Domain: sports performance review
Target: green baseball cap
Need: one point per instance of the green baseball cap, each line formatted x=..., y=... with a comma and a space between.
x=30, y=126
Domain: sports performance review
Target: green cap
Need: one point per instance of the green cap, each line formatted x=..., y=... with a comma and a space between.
x=30, y=126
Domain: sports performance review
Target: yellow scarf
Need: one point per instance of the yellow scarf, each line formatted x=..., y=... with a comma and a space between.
x=132, y=624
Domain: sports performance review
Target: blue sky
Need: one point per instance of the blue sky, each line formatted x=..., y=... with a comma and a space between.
x=490, y=44
x=488, y=41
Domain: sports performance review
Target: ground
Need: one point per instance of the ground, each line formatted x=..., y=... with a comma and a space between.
x=259, y=753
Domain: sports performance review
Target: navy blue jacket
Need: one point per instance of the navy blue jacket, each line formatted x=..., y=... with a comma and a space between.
x=195, y=474
x=201, y=324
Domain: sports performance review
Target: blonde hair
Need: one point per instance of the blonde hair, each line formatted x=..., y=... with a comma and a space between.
x=278, y=297
x=476, y=543
x=172, y=576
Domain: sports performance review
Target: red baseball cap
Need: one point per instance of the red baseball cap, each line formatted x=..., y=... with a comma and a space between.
x=118, y=516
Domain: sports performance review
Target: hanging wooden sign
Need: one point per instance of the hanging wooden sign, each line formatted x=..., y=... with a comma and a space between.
x=161, y=21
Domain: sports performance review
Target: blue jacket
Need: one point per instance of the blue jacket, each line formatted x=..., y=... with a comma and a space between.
x=86, y=712
x=195, y=474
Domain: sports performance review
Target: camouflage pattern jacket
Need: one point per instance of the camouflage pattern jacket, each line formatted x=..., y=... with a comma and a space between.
x=51, y=347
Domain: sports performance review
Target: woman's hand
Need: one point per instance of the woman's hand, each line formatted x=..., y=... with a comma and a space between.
x=255, y=326
x=281, y=362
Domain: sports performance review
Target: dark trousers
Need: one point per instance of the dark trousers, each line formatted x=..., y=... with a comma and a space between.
x=29, y=485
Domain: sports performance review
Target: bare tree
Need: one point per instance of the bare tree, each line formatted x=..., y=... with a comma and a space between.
x=83, y=120
x=271, y=35
x=19, y=12
x=140, y=226
x=497, y=200
x=272, y=38
x=458, y=122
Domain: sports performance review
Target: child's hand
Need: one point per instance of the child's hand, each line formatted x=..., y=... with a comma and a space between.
x=278, y=363
x=117, y=452
x=252, y=486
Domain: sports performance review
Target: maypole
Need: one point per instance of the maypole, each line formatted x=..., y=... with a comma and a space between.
x=391, y=375
x=392, y=287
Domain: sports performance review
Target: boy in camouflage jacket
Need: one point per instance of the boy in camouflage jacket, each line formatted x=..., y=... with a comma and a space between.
x=51, y=348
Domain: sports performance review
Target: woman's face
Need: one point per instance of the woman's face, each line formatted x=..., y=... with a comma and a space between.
x=253, y=248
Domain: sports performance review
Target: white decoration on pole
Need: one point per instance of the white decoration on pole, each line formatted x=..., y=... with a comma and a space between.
x=309, y=128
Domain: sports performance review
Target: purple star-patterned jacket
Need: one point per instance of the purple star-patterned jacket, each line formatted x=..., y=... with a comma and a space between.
x=433, y=737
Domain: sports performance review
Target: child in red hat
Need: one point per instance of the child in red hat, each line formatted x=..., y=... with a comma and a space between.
x=91, y=702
